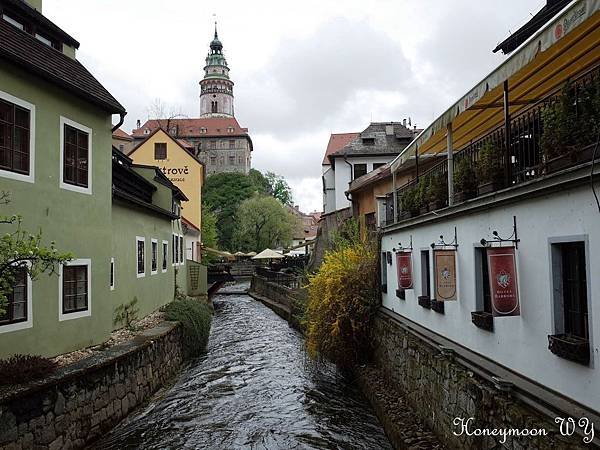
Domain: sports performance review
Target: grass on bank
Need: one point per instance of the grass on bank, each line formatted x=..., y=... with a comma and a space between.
x=195, y=317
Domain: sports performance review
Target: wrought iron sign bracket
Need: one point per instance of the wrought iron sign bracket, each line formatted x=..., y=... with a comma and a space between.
x=401, y=249
x=497, y=239
x=441, y=243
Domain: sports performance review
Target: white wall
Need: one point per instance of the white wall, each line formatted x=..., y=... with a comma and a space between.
x=519, y=343
x=343, y=175
x=329, y=189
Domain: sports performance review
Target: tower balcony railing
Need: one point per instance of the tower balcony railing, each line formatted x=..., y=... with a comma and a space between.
x=556, y=133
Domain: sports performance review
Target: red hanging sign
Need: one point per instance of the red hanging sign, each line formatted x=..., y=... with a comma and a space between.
x=502, y=267
x=404, y=268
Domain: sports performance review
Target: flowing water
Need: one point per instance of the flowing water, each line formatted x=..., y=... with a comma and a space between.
x=254, y=389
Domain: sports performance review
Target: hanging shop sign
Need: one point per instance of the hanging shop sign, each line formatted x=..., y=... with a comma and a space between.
x=503, y=281
x=444, y=263
x=404, y=267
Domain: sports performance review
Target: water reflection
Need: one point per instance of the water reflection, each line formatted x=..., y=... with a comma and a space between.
x=253, y=389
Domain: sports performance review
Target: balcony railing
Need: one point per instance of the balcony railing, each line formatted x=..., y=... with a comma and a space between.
x=556, y=133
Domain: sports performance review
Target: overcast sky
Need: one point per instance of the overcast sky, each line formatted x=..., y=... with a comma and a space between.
x=302, y=70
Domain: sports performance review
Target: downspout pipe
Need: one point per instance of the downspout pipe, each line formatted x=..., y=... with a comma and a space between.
x=351, y=175
x=121, y=120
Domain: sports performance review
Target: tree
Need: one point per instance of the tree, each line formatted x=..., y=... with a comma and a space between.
x=223, y=193
x=279, y=188
x=21, y=250
x=263, y=222
x=209, y=228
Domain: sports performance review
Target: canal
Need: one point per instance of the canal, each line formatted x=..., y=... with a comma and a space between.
x=253, y=389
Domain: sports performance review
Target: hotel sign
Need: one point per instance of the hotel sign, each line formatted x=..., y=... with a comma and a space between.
x=444, y=266
x=503, y=281
x=404, y=268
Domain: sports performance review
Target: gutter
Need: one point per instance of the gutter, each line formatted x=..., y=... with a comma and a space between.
x=121, y=120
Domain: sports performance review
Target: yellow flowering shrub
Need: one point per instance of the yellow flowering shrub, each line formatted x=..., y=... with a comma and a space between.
x=342, y=300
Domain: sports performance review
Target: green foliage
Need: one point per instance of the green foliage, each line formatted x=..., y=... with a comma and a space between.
x=19, y=249
x=279, y=188
x=489, y=165
x=127, y=314
x=346, y=235
x=410, y=201
x=24, y=368
x=263, y=222
x=422, y=195
x=343, y=298
x=195, y=317
x=438, y=189
x=464, y=176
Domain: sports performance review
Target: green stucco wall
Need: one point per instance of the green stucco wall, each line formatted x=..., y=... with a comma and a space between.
x=152, y=291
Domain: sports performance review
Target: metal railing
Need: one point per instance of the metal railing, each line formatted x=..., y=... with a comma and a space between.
x=284, y=279
x=552, y=134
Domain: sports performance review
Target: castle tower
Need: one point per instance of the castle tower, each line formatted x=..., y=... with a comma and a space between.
x=216, y=89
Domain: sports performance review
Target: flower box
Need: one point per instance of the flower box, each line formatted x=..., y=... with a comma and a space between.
x=483, y=320
x=436, y=204
x=487, y=188
x=401, y=294
x=424, y=301
x=405, y=215
x=436, y=306
x=570, y=347
x=463, y=196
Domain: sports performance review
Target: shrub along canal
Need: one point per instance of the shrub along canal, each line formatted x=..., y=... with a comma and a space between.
x=254, y=388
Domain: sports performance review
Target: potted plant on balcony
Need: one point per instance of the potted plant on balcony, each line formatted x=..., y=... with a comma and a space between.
x=409, y=202
x=464, y=180
x=490, y=172
x=437, y=192
x=422, y=196
x=573, y=348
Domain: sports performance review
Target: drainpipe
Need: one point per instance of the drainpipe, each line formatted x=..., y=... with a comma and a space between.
x=394, y=197
x=450, y=165
x=121, y=120
x=351, y=173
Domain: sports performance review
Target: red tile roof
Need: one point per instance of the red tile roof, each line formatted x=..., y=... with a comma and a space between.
x=338, y=141
x=120, y=134
x=214, y=126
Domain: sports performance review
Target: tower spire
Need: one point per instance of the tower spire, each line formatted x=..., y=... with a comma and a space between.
x=216, y=35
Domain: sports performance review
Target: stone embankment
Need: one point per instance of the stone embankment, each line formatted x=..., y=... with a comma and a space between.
x=83, y=400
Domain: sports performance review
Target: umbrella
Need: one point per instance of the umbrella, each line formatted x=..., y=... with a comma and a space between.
x=268, y=254
x=251, y=254
x=239, y=254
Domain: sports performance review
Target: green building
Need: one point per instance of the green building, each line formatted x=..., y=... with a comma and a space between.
x=121, y=221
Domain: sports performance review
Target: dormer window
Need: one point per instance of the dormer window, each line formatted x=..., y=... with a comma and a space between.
x=202, y=130
x=146, y=131
x=230, y=129
x=41, y=38
x=368, y=141
x=13, y=22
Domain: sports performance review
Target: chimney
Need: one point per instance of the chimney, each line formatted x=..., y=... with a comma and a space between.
x=389, y=130
x=404, y=123
x=139, y=123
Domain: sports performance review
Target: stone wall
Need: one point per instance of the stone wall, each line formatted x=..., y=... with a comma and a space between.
x=288, y=303
x=439, y=390
x=82, y=401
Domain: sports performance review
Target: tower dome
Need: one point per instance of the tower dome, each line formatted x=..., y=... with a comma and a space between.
x=216, y=89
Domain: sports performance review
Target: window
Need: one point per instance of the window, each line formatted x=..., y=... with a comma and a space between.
x=181, y=250
x=231, y=160
x=165, y=248
x=483, y=296
x=425, y=274
x=383, y=266
x=43, y=39
x=213, y=144
x=570, y=287
x=213, y=160
x=140, y=244
x=230, y=130
x=75, y=288
x=16, y=307
x=154, y=261
x=359, y=170
x=175, y=250
x=160, y=150
x=15, y=137
x=121, y=148
x=13, y=22
x=232, y=143
x=377, y=165
x=112, y=274
x=75, y=164
x=368, y=141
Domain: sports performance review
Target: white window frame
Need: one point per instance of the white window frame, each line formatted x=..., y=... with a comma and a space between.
x=27, y=323
x=182, y=250
x=31, y=107
x=165, y=256
x=140, y=239
x=13, y=22
x=154, y=241
x=75, y=315
x=114, y=273
x=65, y=121
x=174, y=256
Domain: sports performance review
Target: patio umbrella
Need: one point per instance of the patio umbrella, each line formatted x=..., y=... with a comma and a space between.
x=268, y=254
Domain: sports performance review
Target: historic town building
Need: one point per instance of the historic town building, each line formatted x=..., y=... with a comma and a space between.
x=216, y=137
